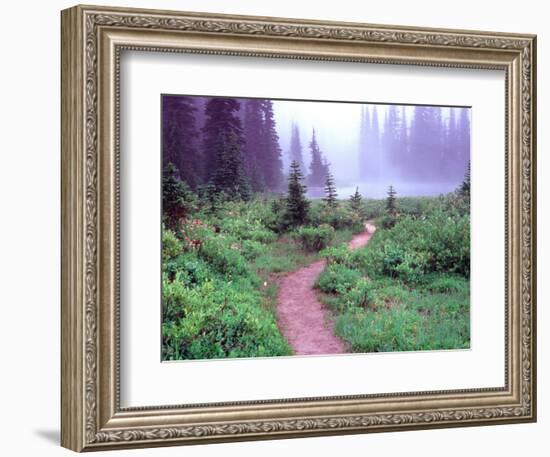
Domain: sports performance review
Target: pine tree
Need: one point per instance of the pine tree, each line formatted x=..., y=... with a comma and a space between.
x=376, y=158
x=179, y=134
x=253, y=128
x=177, y=199
x=394, y=139
x=297, y=205
x=426, y=142
x=464, y=189
x=330, y=191
x=317, y=168
x=209, y=197
x=296, y=146
x=391, y=202
x=356, y=200
x=221, y=123
x=450, y=138
x=463, y=139
x=270, y=161
x=365, y=128
x=229, y=176
x=326, y=166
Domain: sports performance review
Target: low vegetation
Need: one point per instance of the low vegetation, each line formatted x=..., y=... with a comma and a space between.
x=408, y=289
x=219, y=274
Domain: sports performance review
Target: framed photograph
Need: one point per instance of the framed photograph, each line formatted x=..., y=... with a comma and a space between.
x=275, y=228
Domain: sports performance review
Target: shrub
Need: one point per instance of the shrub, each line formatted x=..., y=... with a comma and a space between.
x=252, y=249
x=404, y=264
x=388, y=221
x=192, y=270
x=314, y=239
x=373, y=209
x=447, y=283
x=338, y=216
x=178, y=201
x=408, y=289
x=337, y=278
x=171, y=246
x=262, y=235
x=337, y=255
x=362, y=295
x=276, y=219
x=217, y=320
x=416, y=247
x=246, y=221
x=224, y=255
x=391, y=293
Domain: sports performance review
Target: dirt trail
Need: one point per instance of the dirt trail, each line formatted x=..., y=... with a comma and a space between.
x=303, y=320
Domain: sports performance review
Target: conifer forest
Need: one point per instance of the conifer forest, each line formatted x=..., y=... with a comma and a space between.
x=305, y=227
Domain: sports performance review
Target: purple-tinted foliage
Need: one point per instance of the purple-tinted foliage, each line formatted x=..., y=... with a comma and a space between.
x=427, y=146
x=318, y=167
x=180, y=138
x=296, y=152
x=371, y=145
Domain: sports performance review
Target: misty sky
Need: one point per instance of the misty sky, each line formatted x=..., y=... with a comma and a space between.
x=420, y=150
x=337, y=126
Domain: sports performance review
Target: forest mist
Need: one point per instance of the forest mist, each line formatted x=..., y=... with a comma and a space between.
x=318, y=219
x=420, y=150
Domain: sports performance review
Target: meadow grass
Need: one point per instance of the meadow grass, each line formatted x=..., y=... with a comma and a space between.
x=408, y=289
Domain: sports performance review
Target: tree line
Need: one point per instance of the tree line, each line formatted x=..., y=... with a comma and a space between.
x=231, y=145
x=429, y=146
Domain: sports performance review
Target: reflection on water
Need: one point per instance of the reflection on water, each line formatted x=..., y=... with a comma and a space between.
x=379, y=189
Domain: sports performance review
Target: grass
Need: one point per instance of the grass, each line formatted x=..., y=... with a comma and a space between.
x=408, y=289
x=220, y=283
x=400, y=318
x=282, y=256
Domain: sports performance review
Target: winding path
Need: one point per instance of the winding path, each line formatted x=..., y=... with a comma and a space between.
x=303, y=320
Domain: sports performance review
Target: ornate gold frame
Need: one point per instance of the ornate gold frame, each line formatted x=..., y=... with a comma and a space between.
x=92, y=39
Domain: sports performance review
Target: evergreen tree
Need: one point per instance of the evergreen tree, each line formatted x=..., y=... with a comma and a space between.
x=463, y=139
x=229, y=176
x=394, y=140
x=297, y=205
x=177, y=199
x=179, y=134
x=456, y=144
x=376, y=157
x=370, y=150
x=253, y=148
x=426, y=143
x=365, y=128
x=270, y=161
x=221, y=125
x=356, y=200
x=439, y=157
x=330, y=191
x=296, y=146
x=317, y=168
x=450, y=142
x=209, y=197
x=391, y=202
x=464, y=189
x=200, y=115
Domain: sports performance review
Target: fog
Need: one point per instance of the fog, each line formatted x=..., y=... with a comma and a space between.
x=419, y=150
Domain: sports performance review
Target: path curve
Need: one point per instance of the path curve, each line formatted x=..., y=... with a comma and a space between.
x=303, y=320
